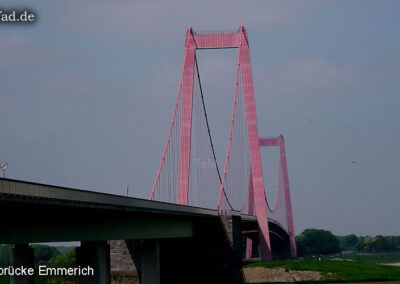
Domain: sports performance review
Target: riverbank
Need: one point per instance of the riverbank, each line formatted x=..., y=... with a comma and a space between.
x=325, y=271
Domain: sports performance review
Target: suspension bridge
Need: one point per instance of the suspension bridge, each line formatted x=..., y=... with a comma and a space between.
x=185, y=176
x=192, y=227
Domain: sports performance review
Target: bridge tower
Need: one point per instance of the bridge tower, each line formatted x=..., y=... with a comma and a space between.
x=210, y=41
x=177, y=174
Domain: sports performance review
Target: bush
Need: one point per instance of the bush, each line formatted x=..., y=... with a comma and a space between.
x=5, y=255
x=44, y=253
x=313, y=241
x=68, y=259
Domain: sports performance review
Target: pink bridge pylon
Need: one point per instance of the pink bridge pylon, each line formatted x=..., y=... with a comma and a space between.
x=268, y=142
x=183, y=119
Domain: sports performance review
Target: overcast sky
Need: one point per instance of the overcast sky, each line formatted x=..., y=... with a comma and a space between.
x=87, y=94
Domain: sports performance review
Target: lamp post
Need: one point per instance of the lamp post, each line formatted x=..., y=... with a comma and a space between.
x=4, y=166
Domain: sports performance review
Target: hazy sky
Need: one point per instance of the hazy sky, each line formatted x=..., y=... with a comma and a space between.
x=87, y=95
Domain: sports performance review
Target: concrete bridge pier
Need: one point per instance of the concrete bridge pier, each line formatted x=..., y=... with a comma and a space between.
x=150, y=262
x=146, y=256
x=212, y=255
x=22, y=255
x=95, y=254
x=232, y=226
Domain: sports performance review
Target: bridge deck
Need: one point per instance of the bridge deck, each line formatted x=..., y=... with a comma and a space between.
x=24, y=191
x=33, y=212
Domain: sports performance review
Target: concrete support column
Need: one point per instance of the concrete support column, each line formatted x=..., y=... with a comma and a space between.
x=22, y=255
x=96, y=255
x=232, y=226
x=233, y=257
x=121, y=258
x=150, y=262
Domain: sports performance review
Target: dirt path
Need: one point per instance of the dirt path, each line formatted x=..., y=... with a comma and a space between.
x=262, y=274
x=392, y=264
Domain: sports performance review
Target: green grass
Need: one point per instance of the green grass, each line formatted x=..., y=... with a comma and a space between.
x=385, y=282
x=341, y=271
x=367, y=257
x=374, y=258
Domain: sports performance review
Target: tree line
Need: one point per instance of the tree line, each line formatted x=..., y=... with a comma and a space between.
x=44, y=255
x=315, y=241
